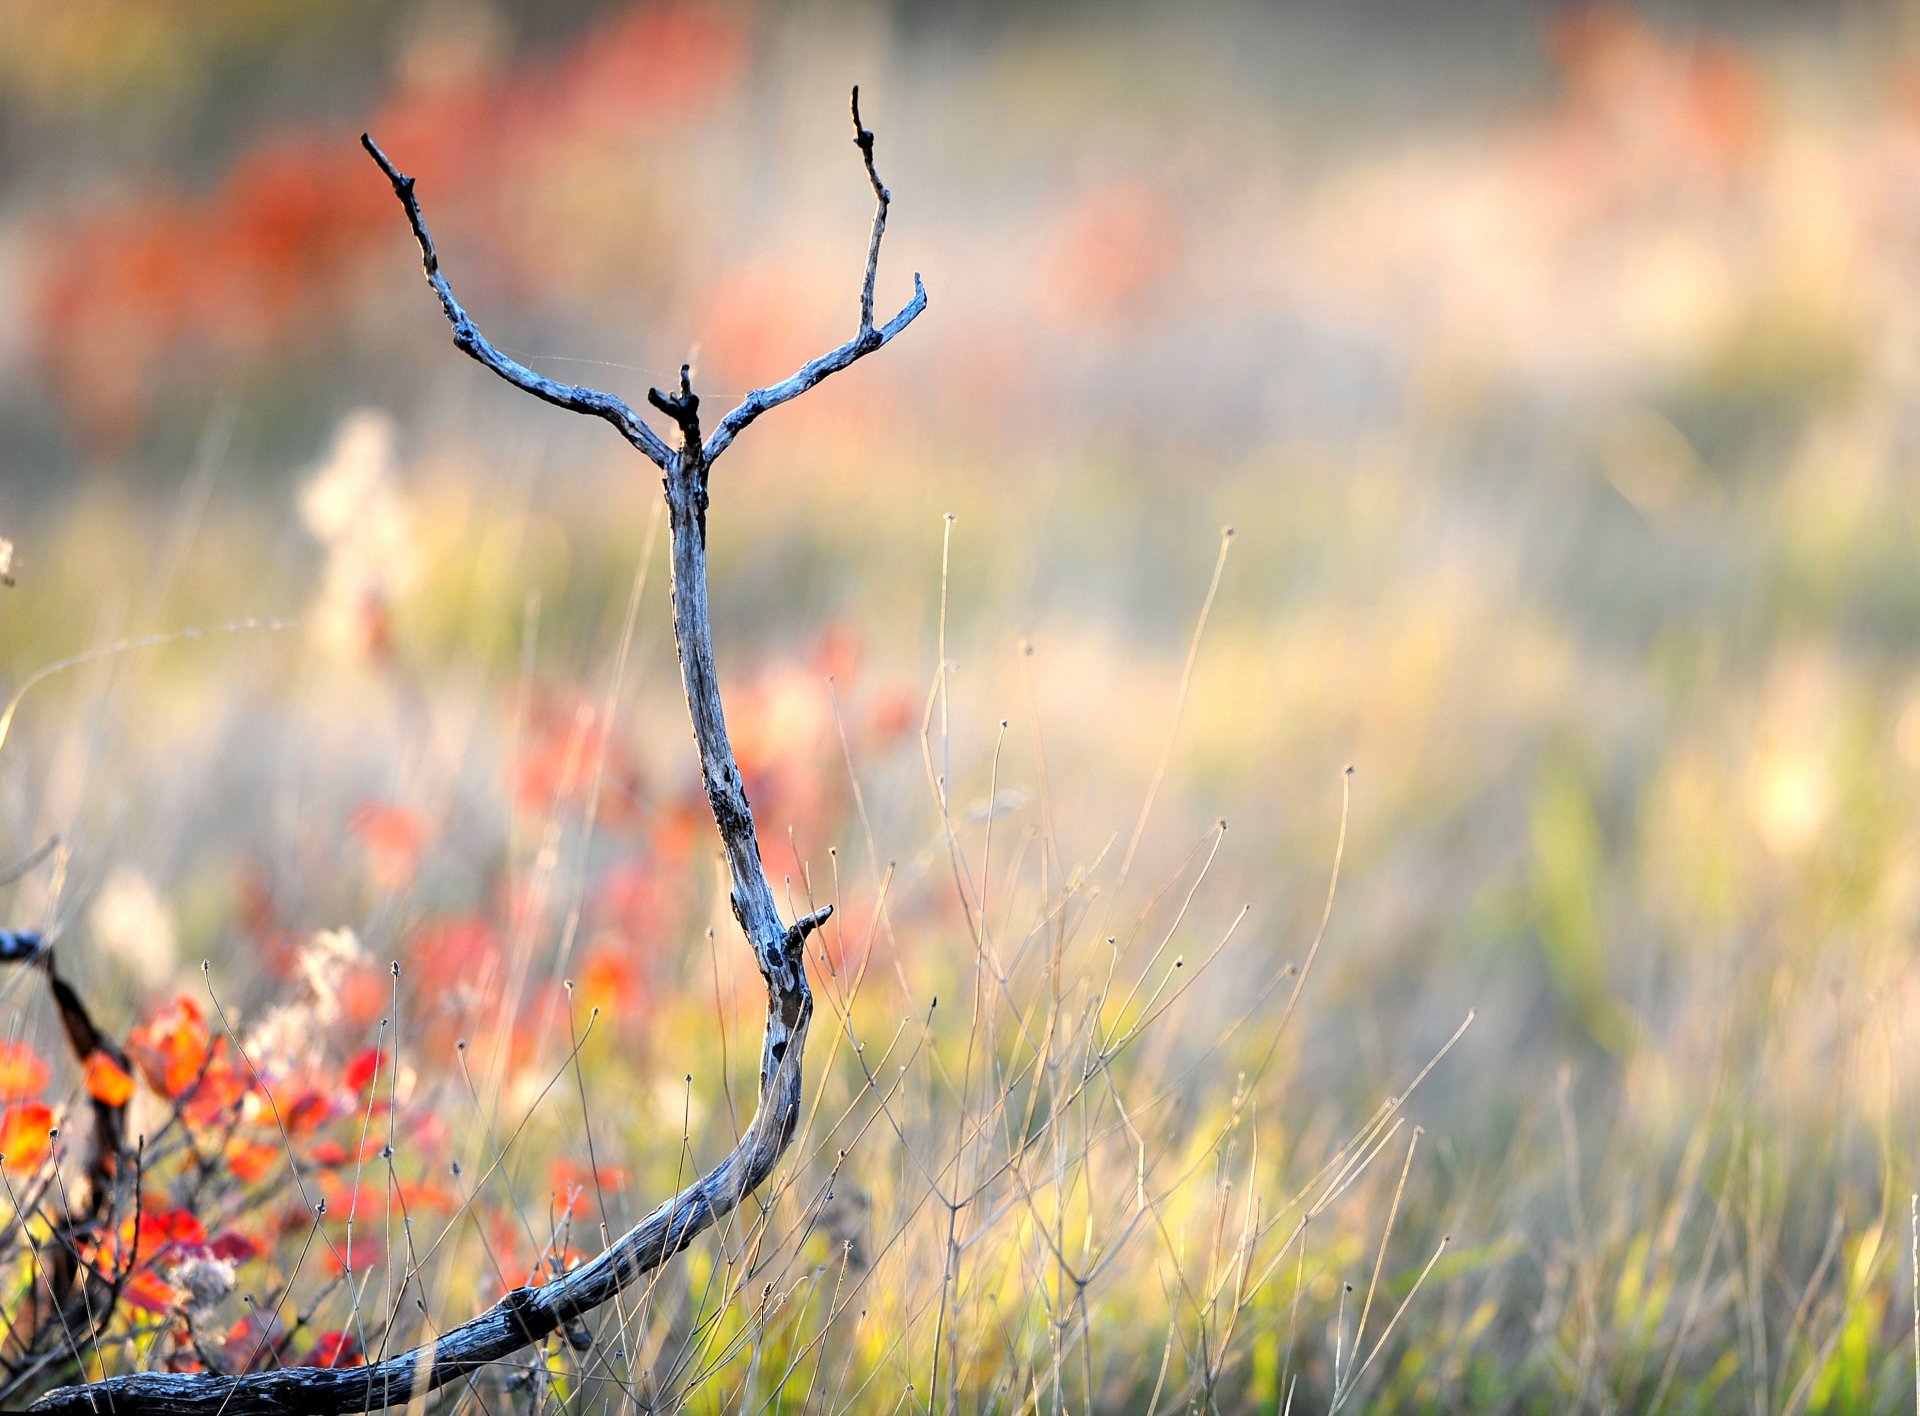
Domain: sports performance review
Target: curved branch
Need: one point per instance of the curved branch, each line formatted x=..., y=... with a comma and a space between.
x=466, y=334
x=864, y=342
x=528, y=1315
x=525, y=1316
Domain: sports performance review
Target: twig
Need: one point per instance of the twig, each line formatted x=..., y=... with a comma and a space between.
x=864, y=342
x=1398, y=1313
x=467, y=336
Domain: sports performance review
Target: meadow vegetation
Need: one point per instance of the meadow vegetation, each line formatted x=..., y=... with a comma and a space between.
x=1557, y=1057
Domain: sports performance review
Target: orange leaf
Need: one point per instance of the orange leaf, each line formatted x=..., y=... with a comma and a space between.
x=394, y=838
x=610, y=982
x=250, y=1160
x=150, y=1293
x=307, y=1111
x=173, y=1047
x=22, y=1073
x=107, y=1081
x=24, y=1140
x=424, y=1194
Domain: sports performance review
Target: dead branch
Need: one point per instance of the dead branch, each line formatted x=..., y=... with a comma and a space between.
x=73, y=1303
x=468, y=339
x=529, y=1315
x=865, y=340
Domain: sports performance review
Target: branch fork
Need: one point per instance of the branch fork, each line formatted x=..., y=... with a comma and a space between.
x=683, y=407
x=529, y=1315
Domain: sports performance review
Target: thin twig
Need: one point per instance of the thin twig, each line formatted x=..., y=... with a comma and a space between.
x=864, y=342
x=471, y=342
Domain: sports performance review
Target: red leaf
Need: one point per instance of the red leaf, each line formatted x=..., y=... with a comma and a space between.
x=452, y=953
x=233, y=1246
x=329, y=1153
x=250, y=1160
x=254, y=1342
x=361, y=1255
x=362, y=1070
x=150, y=1293
x=333, y=1349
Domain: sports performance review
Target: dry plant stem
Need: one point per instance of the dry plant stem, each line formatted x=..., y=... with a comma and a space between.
x=528, y=1315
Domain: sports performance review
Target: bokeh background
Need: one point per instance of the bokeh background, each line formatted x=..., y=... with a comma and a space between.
x=1558, y=370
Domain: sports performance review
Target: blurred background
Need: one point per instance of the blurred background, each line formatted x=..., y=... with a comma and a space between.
x=1558, y=370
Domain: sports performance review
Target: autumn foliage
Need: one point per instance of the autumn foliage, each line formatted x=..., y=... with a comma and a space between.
x=1567, y=433
x=293, y=234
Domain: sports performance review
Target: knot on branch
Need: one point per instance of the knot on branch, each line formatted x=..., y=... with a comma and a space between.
x=683, y=407
x=863, y=139
x=403, y=189
x=786, y=974
x=798, y=931
x=523, y=1308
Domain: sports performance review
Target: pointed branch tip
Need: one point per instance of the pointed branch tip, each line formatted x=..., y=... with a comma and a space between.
x=806, y=924
x=862, y=134
x=394, y=174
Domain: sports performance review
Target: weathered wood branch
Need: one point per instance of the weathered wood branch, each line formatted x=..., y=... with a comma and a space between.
x=865, y=340
x=467, y=336
x=528, y=1315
